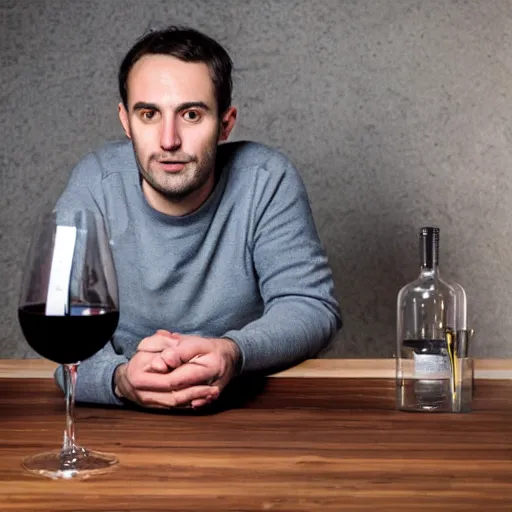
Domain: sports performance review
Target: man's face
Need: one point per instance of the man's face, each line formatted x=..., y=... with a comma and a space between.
x=174, y=125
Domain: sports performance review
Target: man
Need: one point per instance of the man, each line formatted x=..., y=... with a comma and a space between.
x=220, y=268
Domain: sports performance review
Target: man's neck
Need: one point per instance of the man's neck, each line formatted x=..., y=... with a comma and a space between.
x=178, y=208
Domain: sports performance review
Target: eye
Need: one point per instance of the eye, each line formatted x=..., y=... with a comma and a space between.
x=192, y=116
x=147, y=115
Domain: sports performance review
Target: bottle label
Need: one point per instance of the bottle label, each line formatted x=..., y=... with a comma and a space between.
x=57, y=300
x=431, y=366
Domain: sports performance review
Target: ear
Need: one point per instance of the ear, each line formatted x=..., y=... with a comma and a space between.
x=123, y=117
x=227, y=123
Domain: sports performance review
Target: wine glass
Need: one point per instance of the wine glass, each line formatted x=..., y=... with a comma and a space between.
x=68, y=310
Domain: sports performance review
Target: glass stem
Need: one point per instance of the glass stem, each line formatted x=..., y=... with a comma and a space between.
x=70, y=374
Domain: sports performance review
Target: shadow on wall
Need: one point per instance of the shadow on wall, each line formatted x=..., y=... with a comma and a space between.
x=371, y=241
x=367, y=285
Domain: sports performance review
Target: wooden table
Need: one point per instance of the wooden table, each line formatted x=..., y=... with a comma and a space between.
x=323, y=436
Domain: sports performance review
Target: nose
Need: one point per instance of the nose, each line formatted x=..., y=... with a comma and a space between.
x=169, y=136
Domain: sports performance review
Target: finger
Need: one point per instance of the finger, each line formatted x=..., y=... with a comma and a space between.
x=171, y=358
x=165, y=333
x=157, y=342
x=188, y=395
x=190, y=374
x=200, y=402
x=181, y=398
x=157, y=364
x=190, y=347
x=147, y=380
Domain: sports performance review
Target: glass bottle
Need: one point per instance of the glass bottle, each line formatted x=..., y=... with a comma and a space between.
x=426, y=328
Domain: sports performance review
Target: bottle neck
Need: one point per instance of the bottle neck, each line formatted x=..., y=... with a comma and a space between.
x=429, y=250
x=429, y=272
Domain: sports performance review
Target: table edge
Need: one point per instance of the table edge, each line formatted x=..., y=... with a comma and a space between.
x=500, y=369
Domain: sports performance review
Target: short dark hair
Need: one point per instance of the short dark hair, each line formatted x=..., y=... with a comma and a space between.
x=188, y=45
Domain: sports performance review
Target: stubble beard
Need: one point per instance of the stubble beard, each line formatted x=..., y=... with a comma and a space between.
x=180, y=185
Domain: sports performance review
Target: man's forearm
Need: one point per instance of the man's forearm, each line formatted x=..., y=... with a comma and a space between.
x=286, y=335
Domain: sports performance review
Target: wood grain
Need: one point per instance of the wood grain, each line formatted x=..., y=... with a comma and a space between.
x=286, y=444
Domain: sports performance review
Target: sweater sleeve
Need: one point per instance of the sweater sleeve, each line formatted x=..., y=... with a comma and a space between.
x=94, y=381
x=301, y=313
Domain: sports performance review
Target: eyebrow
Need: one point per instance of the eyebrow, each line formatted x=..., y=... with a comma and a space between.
x=141, y=105
x=193, y=104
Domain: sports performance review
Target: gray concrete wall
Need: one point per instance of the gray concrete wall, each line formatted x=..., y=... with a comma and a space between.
x=398, y=114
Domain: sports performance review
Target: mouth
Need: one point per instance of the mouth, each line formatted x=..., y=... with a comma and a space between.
x=172, y=165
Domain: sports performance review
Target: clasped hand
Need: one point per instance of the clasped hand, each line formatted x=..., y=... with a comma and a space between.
x=177, y=370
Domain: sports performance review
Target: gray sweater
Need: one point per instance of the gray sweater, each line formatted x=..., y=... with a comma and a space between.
x=247, y=265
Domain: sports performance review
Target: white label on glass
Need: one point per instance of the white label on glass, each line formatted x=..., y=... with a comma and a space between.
x=431, y=365
x=60, y=272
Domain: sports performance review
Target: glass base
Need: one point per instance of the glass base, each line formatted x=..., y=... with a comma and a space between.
x=77, y=463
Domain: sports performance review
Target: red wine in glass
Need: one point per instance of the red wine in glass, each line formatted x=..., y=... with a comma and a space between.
x=68, y=311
